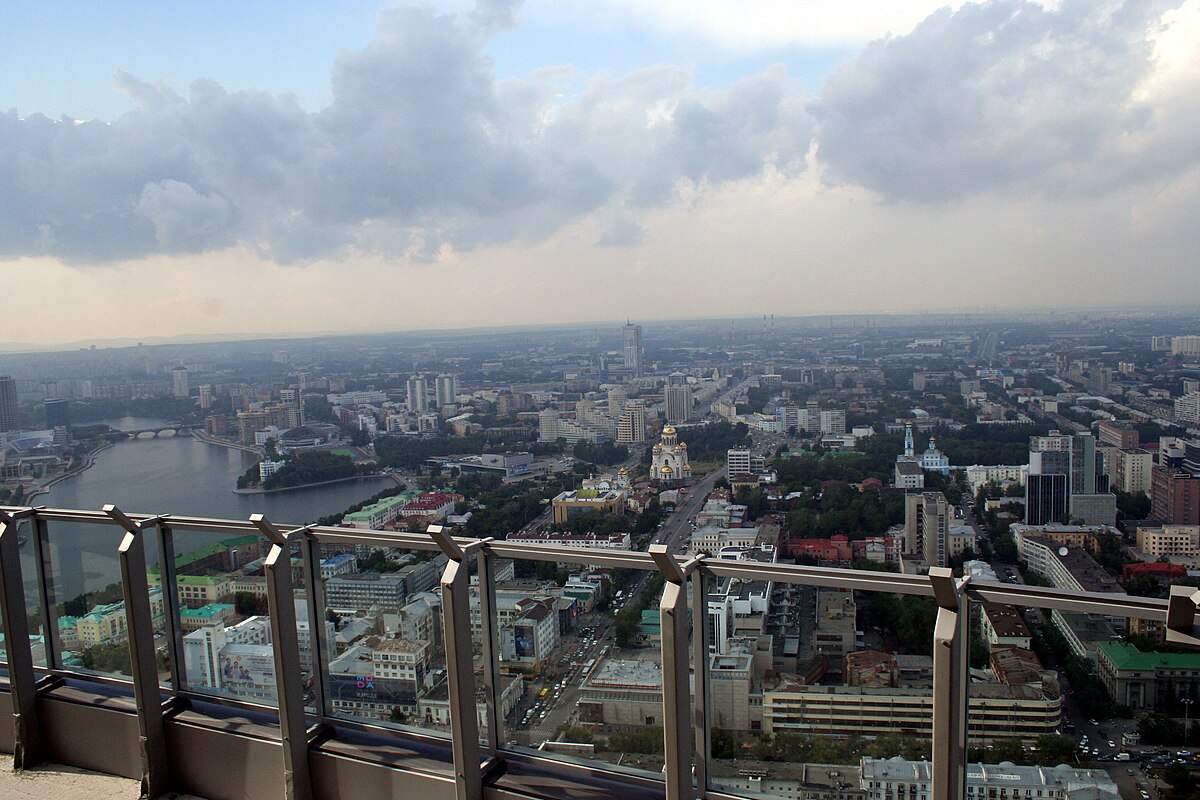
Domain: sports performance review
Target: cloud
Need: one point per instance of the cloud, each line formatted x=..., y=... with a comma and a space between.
x=751, y=25
x=1009, y=97
x=421, y=148
x=622, y=232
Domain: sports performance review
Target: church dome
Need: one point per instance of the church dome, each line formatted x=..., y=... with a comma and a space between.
x=669, y=430
x=666, y=470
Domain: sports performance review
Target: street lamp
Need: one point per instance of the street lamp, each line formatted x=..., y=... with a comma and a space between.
x=1187, y=707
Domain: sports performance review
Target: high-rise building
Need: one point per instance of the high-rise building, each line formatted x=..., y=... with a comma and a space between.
x=8, y=403
x=833, y=422
x=617, y=397
x=205, y=396
x=631, y=425
x=1187, y=408
x=633, y=349
x=446, y=390
x=1129, y=470
x=1075, y=459
x=293, y=398
x=1046, y=498
x=932, y=531
x=1185, y=345
x=1174, y=496
x=678, y=398
x=417, y=394
x=179, y=382
x=57, y=415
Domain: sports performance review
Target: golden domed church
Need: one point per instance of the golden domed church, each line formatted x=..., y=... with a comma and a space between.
x=670, y=462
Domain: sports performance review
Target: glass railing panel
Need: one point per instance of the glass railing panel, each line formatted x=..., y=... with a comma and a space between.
x=223, y=618
x=805, y=682
x=580, y=656
x=1090, y=698
x=386, y=658
x=84, y=584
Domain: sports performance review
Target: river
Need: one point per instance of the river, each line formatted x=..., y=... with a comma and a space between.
x=180, y=476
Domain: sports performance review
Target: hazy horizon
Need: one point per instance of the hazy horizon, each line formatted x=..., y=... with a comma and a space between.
x=242, y=173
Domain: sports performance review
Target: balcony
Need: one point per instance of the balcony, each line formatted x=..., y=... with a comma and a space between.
x=185, y=698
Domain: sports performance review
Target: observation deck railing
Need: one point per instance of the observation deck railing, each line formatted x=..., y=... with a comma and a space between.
x=153, y=725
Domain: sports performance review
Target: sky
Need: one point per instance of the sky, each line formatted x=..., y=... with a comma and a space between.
x=251, y=168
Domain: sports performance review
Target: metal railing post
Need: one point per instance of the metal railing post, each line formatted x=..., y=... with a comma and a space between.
x=143, y=658
x=13, y=612
x=677, y=730
x=488, y=650
x=460, y=667
x=170, y=593
x=951, y=647
x=700, y=665
x=45, y=583
x=1181, y=617
x=285, y=645
x=310, y=559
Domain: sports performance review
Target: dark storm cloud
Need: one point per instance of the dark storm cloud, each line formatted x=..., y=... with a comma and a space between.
x=420, y=148
x=1006, y=96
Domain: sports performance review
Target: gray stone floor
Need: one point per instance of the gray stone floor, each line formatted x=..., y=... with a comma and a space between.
x=65, y=783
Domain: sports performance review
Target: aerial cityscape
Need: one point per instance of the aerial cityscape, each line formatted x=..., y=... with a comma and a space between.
x=673, y=401
x=1060, y=452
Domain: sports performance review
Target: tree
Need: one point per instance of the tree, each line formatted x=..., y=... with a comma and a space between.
x=1180, y=778
x=1135, y=505
x=248, y=604
x=573, y=733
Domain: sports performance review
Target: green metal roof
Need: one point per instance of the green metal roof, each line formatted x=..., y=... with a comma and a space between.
x=206, y=612
x=383, y=505
x=1127, y=656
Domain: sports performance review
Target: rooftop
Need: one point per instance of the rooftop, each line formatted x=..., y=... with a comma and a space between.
x=1128, y=656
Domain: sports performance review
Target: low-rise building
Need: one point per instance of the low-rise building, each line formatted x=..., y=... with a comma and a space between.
x=894, y=778
x=359, y=592
x=581, y=541
x=1002, y=625
x=584, y=501
x=214, y=614
x=622, y=692
x=1169, y=540
x=1147, y=681
x=996, y=711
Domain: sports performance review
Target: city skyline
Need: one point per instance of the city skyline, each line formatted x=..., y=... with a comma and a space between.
x=1005, y=155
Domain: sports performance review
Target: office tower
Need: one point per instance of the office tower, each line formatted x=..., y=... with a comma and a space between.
x=1046, y=498
x=446, y=390
x=631, y=425
x=678, y=398
x=418, y=394
x=205, y=396
x=56, y=414
x=179, y=382
x=633, y=349
x=1067, y=479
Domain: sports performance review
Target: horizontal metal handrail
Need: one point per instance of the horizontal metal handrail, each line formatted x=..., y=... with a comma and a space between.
x=861, y=580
